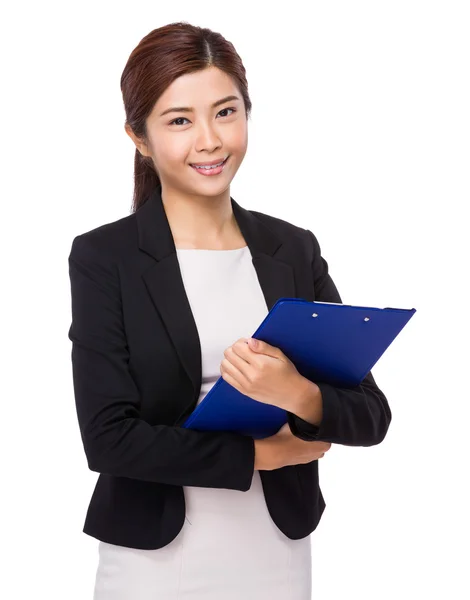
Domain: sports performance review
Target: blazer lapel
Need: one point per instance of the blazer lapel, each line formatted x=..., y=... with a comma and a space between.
x=165, y=284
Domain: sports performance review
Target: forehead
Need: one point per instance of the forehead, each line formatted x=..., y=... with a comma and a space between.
x=197, y=89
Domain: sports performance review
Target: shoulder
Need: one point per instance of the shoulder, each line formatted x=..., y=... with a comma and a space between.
x=108, y=240
x=112, y=240
x=280, y=226
x=288, y=231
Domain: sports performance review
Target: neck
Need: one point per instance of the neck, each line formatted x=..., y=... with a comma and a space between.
x=206, y=221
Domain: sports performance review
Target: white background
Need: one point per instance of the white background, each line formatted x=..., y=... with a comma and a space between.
x=360, y=132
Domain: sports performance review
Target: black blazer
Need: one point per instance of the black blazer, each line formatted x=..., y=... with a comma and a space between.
x=136, y=363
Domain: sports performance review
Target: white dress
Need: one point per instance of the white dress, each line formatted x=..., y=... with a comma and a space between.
x=229, y=547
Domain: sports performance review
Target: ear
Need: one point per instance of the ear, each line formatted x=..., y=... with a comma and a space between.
x=139, y=144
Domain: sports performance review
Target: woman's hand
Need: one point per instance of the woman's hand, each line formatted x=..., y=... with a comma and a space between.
x=261, y=371
x=285, y=449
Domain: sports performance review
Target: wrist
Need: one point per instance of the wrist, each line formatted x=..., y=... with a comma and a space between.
x=307, y=402
x=265, y=455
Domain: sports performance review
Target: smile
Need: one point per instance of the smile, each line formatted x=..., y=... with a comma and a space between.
x=211, y=169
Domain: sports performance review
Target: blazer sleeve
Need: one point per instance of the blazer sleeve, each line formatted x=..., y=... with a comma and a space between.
x=358, y=416
x=116, y=440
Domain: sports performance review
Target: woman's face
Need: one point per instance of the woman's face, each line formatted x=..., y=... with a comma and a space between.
x=198, y=134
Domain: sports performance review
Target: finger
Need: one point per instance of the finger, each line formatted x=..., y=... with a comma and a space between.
x=226, y=367
x=232, y=381
x=267, y=349
x=241, y=349
x=245, y=367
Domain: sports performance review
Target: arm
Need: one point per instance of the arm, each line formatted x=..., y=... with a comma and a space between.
x=115, y=439
x=358, y=416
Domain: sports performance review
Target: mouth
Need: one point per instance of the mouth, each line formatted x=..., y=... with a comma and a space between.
x=209, y=169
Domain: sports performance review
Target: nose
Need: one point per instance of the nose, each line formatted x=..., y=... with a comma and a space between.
x=207, y=138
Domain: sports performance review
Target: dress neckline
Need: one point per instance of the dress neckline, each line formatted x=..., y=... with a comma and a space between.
x=210, y=249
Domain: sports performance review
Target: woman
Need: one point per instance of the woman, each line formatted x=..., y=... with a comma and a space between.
x=162, y=303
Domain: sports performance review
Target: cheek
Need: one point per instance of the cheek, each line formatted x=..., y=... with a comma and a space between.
x=239, y=139
x=171, y=151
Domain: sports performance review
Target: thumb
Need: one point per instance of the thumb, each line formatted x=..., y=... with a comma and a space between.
x=263, y=347
x=255, y=344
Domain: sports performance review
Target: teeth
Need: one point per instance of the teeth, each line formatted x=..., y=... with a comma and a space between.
x=208, y=167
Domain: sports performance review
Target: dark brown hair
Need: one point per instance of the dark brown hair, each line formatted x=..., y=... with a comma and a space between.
x=160, y=57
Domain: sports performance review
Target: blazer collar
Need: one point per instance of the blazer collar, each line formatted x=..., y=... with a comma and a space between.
x=156, y=239
x=165, y=285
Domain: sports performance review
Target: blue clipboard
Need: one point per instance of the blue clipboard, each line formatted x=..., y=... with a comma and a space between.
x=334, y=343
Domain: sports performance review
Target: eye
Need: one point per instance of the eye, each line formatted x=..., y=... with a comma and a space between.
x=185, y=119
x=232, y=109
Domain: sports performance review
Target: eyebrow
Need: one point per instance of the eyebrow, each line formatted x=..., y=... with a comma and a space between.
x=189, y=109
